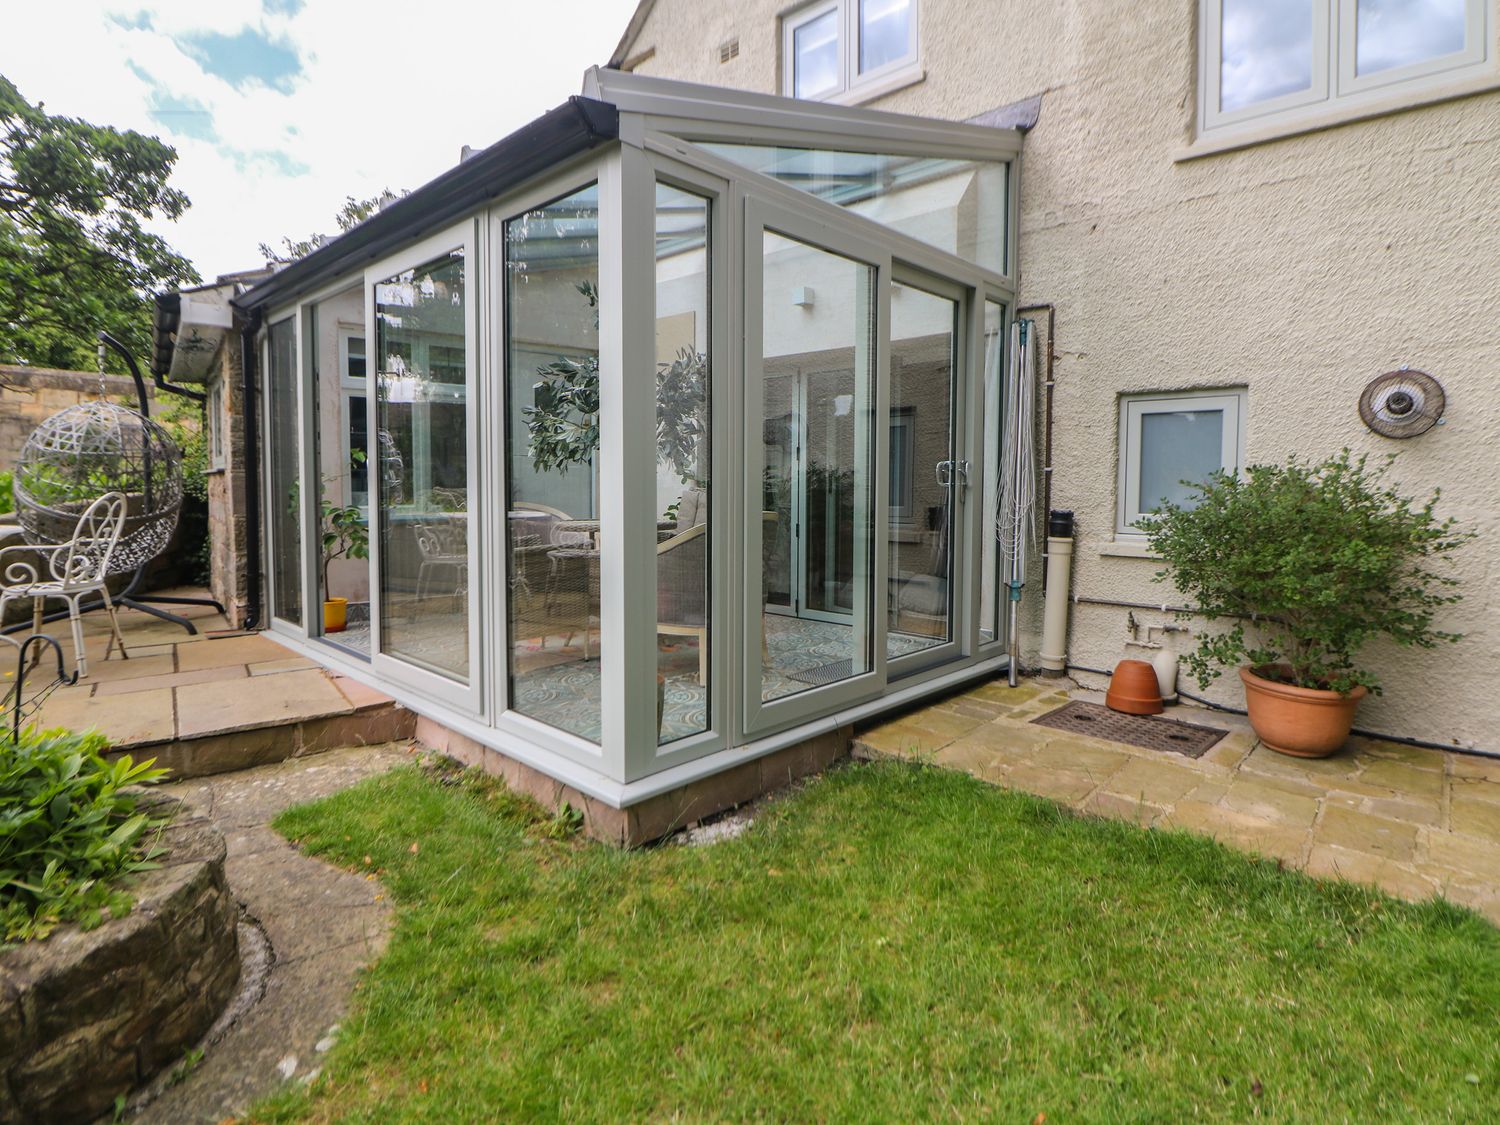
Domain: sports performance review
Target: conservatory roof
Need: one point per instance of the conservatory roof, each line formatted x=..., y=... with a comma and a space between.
x=574, y=127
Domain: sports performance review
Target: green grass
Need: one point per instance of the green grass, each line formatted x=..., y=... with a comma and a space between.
x=892, y=942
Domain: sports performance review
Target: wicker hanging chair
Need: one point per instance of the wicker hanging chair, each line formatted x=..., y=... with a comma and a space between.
x=78, y=455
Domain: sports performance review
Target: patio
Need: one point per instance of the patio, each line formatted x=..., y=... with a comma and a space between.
x=219, y=700
x=1412, y=821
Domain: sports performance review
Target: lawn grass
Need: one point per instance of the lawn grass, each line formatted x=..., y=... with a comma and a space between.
x=892, y=942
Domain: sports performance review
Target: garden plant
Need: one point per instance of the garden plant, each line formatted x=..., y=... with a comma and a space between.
x=70, y=830
x=1318, y=558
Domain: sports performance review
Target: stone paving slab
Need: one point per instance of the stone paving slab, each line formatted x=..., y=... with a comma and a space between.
x=324, y=924
x=1411, y=820
x=190, y=698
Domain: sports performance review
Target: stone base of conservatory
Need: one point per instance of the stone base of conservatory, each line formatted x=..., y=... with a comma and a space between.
x=656, y=816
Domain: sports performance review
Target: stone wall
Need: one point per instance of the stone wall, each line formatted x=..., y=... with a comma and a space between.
x=87, y=1016
x=228, y=541
x=29, y=395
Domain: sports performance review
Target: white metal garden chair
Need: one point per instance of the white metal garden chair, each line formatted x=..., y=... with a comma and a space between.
x=69, y=572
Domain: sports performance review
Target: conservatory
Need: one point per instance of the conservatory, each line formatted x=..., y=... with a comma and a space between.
x=658, y=437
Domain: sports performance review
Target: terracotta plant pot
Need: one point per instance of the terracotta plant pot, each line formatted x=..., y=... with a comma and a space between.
x=1302, y=722
x=1134, y=689
x=335, y=615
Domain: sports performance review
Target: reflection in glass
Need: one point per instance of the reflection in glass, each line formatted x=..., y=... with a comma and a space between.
x=922, y=471
x=423, y=455
x=551, y=443
x=815, y=55
x=285, y=446
x=682, y=462
x=337, y=339
x=818, y=367
x=956, y=205
x=1392, y=33
x=884, y=32
x=1178, y=446
x=1267, y=50
x=994, y=423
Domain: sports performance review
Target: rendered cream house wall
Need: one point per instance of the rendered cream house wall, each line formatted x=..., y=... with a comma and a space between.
x=1299, y=268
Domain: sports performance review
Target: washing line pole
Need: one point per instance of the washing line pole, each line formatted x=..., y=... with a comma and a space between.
x=1017, y=493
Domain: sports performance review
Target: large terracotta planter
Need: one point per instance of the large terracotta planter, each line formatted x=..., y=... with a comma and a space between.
x=1302, y=722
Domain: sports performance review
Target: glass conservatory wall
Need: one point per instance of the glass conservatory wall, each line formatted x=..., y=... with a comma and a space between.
x=336, y=339
x=553, y=552
x=683, y=461
x=423, y=459
x=284, y=505
x=818, y=426
x=958, y=206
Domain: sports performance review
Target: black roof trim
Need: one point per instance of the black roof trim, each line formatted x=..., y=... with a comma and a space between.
x=574, y=127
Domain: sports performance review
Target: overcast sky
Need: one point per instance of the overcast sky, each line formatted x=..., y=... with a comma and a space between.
x=281, y=108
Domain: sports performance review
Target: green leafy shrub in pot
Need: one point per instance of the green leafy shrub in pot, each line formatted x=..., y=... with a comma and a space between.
x=1319, y=558
x=70, y=829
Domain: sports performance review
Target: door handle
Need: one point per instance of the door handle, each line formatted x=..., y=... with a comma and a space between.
x=947, y=469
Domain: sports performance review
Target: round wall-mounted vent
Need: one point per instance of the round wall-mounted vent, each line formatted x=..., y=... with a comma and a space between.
x=1402, y=404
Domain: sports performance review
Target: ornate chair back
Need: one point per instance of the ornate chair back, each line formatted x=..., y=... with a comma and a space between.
x=95, y=538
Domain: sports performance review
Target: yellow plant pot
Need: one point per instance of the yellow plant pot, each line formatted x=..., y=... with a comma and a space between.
x=335, y=615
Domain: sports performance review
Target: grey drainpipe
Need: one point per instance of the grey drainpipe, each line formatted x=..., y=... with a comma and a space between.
x=252, y=473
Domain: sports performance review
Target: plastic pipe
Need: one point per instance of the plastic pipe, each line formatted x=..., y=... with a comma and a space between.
x=1054, y=654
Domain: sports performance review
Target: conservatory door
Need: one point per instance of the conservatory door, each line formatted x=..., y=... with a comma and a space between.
x=927, y=475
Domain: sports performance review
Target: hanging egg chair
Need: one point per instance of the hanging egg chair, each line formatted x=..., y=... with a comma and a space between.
x=78, y=455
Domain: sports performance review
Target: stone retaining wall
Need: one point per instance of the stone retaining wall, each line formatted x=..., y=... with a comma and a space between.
x=30, y=395
x=87, y=1016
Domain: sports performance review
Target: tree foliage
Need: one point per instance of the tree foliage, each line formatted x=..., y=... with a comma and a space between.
x=74, y=254
x=350, y=215
x=563, y=425
x=1319, y=558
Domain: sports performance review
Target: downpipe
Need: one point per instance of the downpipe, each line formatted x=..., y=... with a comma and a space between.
x=1054, y=654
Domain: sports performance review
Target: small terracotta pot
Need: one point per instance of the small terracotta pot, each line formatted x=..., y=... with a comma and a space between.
x=1302, y=722
x=335, y=615
x=1134, y=689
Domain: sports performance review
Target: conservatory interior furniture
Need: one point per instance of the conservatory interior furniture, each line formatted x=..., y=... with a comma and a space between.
x=710, y=375
x=69, y=572
x=682, y=590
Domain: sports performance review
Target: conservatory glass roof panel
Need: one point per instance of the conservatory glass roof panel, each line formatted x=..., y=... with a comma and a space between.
x=956, y=205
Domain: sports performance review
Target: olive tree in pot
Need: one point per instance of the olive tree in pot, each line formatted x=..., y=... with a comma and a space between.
x=1318, y=559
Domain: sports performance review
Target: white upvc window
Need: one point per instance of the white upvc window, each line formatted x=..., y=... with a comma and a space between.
x=353, y=388
x=849, y=50
x=213, y=412
x=1304, y=63
x=1166, y=439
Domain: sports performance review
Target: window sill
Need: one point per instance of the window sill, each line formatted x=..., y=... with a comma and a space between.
x=1128, y=549
x=1295, y=123
x=878, y=87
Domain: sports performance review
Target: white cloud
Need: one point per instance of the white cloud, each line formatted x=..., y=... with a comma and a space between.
x=387, y=95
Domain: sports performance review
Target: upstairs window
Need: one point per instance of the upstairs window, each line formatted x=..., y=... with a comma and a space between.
x=1270, y=62
x=849, y=50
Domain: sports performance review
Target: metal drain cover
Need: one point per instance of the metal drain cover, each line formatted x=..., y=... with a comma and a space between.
x=1187, y=739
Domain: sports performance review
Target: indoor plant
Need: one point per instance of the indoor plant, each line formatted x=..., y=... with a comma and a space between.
x=345, y=536
x=1317, y=560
